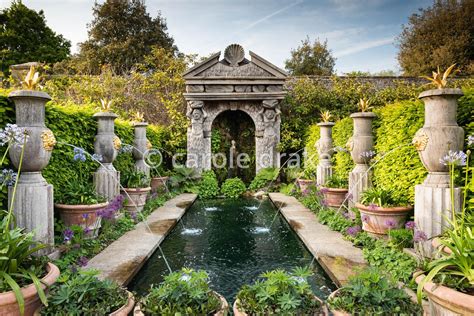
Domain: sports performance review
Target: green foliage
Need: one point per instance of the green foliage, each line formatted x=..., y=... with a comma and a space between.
x=25, y=37
x=373, y=293
x=312, y=158
x=121, y=34
x=401, y=238
x=184, y=179
x=208, y=187
x=337, y=182
x=399, y=264
x=311, y=59
x=134, y=179
x=279, y=293
x=400, y=169
x=77, y=193
x=381, y=197
x=334, y=219
x=342, y=160
x=233, y=188
x=185, y=292
x=264, y=178
x=84, y=294
x=425, y=42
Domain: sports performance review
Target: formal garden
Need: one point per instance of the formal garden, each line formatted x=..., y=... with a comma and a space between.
x=227, y=186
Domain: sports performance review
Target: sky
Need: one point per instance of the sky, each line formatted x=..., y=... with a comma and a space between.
x=360, y=33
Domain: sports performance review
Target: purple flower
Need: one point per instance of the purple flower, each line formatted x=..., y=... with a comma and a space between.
x=419, y=236
x=97, y=157
x=470, y=140
x=455, y=158
x=353, y=231
x=367, y=154
x=324, y=202
x=73, y=269
x=391, y=223
x=13, y=134
x=365, y=218
x=79, y=154
x=133, y=215
x=87, y=230
x=68, y=235
x=126, y=149
x=373, y=206
x=305, y=191
x=82, y=261
x=324, y=190
x=8, y=177
x=85, y=216
x=410, y=225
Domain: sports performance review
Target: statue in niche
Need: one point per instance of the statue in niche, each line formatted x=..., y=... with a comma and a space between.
x=232, y=160
x=197, y=115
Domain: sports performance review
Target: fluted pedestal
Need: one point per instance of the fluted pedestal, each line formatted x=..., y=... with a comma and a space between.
x=107, y=181
x=325, y=151
x=140, y=146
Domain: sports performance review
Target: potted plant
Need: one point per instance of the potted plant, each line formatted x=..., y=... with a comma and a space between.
x=78, y=203
x=135, y=188
x=279, y=292
x=305, y=180
x=372, y=293
x=448, y=279
x=159, y=180
x=84, y=294
x=21, y=289
x=184, y=292
x=335, y=191
x=381, y=210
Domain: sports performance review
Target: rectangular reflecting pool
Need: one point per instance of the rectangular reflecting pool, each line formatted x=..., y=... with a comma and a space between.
x=234, y=241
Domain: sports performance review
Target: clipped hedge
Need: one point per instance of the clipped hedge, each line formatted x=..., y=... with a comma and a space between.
x=396, y=124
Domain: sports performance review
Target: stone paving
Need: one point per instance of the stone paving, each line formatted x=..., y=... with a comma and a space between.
x=122, y=259
x=339, y=258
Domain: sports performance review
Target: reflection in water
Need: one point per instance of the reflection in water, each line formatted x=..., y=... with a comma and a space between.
x=233, y=246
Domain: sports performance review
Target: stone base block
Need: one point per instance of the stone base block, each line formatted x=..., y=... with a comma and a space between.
x=360, y=179
x=33, y=207
x=323, y=172
x=432, y=211
x=107, y=182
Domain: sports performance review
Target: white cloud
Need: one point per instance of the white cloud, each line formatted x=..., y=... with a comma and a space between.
x=363, y=46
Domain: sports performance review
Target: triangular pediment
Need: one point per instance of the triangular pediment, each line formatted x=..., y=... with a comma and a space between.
x=256, y=67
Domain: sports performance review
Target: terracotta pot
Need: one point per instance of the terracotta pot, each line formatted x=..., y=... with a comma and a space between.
x=304, y=184
x=446, y=301
x=158, y=183
x=335, y=197
x=135, y=198
x=337, y=312
x=436, y=243
x=122, y=311
x=82, y=215
x=8, y=302
x=378, y=216
x=238, y=312
x=222, y=312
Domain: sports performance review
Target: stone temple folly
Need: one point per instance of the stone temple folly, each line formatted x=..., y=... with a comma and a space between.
x=234, y=83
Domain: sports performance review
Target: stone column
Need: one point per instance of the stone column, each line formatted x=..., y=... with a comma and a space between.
x=439, y=134
x=33, y=203
x=360, y=178
x=107, y=144
x=140, y=146
x=325, y=151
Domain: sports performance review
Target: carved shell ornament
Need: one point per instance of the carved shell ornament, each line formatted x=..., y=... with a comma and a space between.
x=420, y=140
x=234, y=54
x=350, y=144
x=117, y=143
x=49, y=141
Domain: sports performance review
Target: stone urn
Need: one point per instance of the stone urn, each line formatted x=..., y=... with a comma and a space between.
x=9, y=304
x=33, y=203
x=325, y=151
x=141, y=145
x=362, y=141
x=439, y=134
x=107, y=145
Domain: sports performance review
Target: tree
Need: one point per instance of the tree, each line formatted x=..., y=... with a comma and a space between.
x=121, y=34
x=440, y=35
x=311, y=59
x=25, y=37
